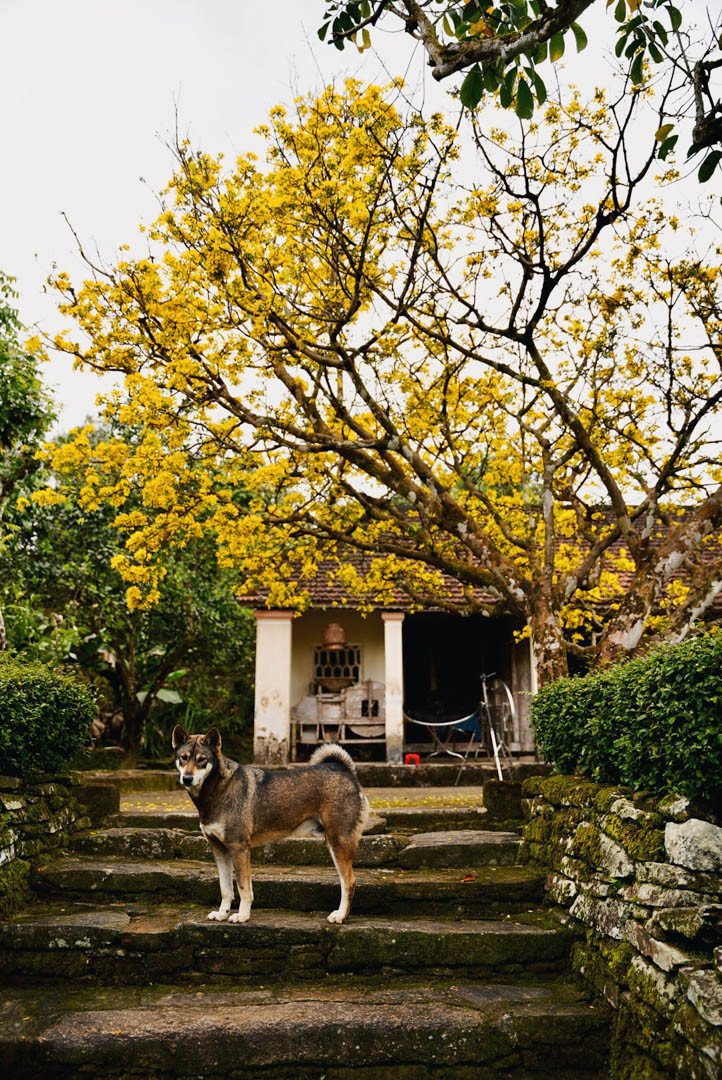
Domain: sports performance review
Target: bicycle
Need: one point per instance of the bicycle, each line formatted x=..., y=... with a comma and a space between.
x=492, y=723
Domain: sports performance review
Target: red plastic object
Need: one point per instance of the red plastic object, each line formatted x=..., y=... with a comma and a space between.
x=412, y=759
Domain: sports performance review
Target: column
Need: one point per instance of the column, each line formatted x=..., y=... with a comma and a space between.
x=394, y=654
x=272, y=717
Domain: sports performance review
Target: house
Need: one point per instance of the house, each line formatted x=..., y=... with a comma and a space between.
x=335, y=673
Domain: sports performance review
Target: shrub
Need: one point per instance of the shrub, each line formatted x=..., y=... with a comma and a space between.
x=653, y=723
x=44, y=717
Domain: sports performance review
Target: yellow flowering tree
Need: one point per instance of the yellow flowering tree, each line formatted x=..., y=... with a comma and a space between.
x=510, y=384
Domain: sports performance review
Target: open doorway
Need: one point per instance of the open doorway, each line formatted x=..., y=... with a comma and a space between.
x=444, y=657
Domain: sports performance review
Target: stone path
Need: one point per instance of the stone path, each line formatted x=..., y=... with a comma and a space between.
x=449, y=967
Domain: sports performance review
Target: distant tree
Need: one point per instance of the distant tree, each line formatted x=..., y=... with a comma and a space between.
x=192, y=652
x=500, y=47
x=25, y=409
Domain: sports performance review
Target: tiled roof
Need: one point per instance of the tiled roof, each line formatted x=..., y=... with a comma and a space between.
x=326, y=590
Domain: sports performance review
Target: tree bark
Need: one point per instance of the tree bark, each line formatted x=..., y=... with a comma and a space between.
x=548, y=644
x=623, y=634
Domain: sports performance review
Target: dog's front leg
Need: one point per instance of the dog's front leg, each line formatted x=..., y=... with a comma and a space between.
x=241, y=854
x=224, y=864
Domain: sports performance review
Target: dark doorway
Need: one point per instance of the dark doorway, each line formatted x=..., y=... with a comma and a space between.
x=444, y=656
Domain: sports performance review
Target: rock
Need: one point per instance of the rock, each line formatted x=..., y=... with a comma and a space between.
x=676, y=808
x=561, y=889
x=609, y=917
x=703, y=924
x=677, y=877
x=665, y=956
x=627, y=811
x=704, y=990
x=613, y=859
x=695, y=843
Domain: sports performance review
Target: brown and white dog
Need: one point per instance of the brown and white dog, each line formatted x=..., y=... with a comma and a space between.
x=242, y=806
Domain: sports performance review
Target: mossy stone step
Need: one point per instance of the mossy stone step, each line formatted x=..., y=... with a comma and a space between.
x=442, y=849
x=545, y=1029
x=460, y=849
x=177, y=843
x=397, y=819
x=379, y=890
x=142, y=943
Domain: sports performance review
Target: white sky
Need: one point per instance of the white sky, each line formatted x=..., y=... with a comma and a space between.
x=89, y=89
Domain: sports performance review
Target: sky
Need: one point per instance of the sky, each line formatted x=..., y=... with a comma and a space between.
x=90, y=90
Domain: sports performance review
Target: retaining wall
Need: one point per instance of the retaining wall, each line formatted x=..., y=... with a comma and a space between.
x=36, y=818
x=641, y=878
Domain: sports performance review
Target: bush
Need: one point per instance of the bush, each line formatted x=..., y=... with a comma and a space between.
x=44, y=717
x=654, y=723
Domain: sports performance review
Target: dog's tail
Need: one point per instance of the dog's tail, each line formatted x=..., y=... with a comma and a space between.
x=333, y=752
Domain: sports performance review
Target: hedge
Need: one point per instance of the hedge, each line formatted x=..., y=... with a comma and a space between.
x=45, y=717
x=653, y=723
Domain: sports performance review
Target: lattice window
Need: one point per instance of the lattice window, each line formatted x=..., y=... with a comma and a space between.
x=332, y=664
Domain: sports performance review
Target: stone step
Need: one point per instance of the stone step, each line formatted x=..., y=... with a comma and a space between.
x=486, y=890
x=152, y=942
x=162, y=843
x=460, y=849
x=545, y=1029
x=396, y=819
x=440, y=849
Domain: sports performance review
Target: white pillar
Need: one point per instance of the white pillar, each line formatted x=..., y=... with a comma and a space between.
x=272, y=719
x=394, y=653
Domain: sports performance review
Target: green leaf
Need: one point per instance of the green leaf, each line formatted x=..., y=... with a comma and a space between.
x=667, y=147
x=524, y=101
x=491, y=80
x=323, y=31
x=662, y=132
x=541, y=53
x=620, y=11
x=655, y=53
x=556, y=47
x=635, y=72
x=675, y=16
x=709, y=165
x=171, y=697
x=541, y=90
x=580, y=37
x=472, y=88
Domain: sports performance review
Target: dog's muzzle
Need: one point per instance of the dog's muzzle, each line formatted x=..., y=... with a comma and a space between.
x=186, y=781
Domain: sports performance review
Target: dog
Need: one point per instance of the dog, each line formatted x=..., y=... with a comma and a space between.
x=243, y=806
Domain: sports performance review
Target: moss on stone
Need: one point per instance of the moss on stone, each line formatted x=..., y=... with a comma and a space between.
x=14, y=887
x=568, y=791
x=644, y=843
x=586, y=844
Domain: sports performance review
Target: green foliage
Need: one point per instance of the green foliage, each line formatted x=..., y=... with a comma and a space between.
x=515, y=80
x=45, y=717
x=25, y=412
x=188, y=659
x=654, y=723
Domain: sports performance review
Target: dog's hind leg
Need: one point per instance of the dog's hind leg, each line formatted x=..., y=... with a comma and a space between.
x=342, y=853
x=224, y=865
x=241, y=854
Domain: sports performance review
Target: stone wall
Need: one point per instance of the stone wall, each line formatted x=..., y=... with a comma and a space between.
x=35, y=818
x=641, y=879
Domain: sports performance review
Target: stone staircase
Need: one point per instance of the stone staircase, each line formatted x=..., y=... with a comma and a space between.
x=449, y=967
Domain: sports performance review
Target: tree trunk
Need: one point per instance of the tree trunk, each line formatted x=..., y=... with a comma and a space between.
x=548, y=644
x=3, y=634
x=623, y=634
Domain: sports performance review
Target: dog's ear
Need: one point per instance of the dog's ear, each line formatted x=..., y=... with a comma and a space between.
x=213, y=739
x=179, y=736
